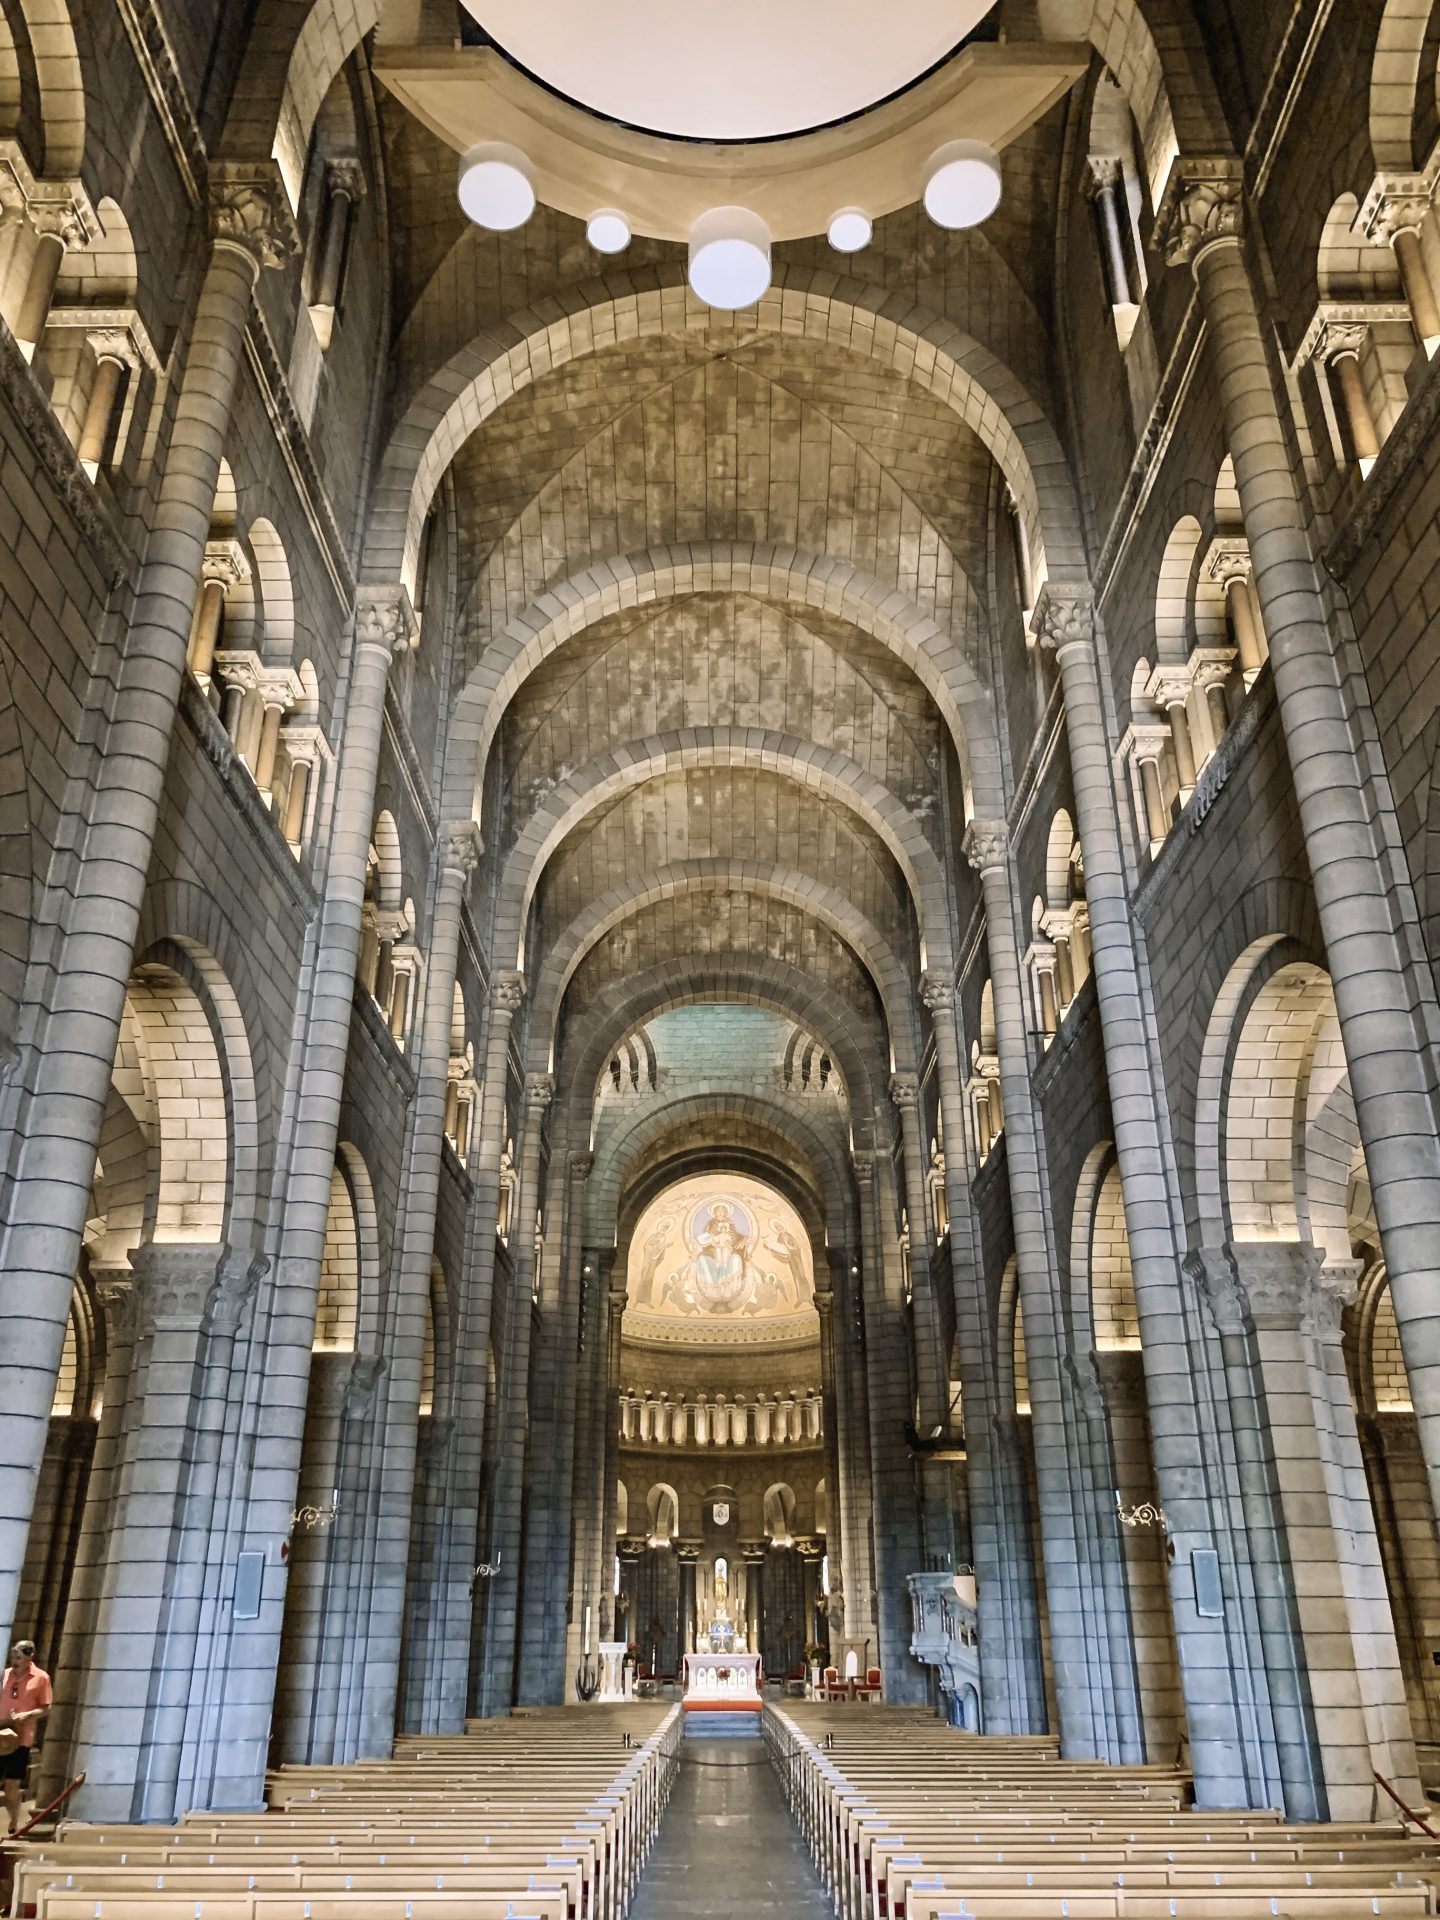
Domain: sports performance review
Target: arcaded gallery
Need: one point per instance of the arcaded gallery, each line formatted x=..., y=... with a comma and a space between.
x=719, y=959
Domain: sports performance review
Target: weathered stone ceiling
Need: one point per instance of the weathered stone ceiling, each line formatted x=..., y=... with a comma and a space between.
x=740, y=812
x=721, y=660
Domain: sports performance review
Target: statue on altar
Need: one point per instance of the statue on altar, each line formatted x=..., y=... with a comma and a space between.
x=722, y=1637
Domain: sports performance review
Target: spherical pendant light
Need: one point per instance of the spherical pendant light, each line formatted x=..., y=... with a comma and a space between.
x=849, y=230
x=496, y=190
x=608, y=231
x=962, y=184
x=729, y=257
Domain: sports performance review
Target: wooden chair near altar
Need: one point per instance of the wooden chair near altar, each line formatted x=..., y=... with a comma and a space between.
x=832, y=1688
x=869, y=1687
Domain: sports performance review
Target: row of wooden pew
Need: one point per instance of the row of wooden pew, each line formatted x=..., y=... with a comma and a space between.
x=910, y=1820
x=546, y=1816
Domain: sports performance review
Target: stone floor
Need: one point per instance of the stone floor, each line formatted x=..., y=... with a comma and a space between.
x=727, y=1845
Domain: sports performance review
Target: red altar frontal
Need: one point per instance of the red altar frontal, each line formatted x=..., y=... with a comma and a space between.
x=723, y=1683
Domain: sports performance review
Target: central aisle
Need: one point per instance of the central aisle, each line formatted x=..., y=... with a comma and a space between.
x=727, y=1845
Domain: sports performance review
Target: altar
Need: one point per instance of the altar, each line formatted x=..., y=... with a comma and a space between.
x=722, y=1683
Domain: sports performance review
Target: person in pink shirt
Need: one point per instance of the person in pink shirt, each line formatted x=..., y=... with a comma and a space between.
x=25, y=1699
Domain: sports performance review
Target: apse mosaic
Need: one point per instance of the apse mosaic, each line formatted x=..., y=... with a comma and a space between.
x=720, y=1258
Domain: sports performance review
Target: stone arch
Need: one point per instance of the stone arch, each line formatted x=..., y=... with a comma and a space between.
x=1276, y=1133
x=745, y=979
x=662, y=1504
x=1105, y=1313
x=389, y=868
x=1383, y=1386
x=569, y=948
x=784, y=574
x=778, y=1510
x=331, y=32
x=170, y=1075
x=1403, y=107
x=834, y=774
x=104, y=274
x=642, y=1139
x=1121, y=35
x=42, y=89
x=276, y=592
x=1061, y=848
x=946, y=361
x=347, y=1316
x=1173, y=630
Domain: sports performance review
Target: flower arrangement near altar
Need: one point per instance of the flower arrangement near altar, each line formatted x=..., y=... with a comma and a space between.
x=815, y=1652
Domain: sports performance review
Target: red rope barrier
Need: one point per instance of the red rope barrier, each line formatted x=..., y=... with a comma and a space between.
x=1423, y=1825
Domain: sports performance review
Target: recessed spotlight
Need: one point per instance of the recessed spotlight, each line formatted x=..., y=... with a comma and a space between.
x=962, y=184
x=729, y=257
x=608, y=231
x=496, y=190
x=850, y=230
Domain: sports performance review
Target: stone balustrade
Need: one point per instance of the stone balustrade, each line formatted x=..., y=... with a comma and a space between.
x=795, y=1420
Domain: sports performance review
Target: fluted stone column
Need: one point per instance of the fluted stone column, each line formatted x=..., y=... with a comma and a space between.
x=896, y=1518
x=1381, y=998
x=393, y=1453
x=1010, y=1643
x=1096, y=1686
x=502, y=1617
x=70, y=1046
x=1229, y=1705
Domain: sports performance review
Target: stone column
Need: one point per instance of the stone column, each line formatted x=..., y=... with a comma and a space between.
x=1105, y=184
x=459, y=1546
x=932, y=1362
x=224, y=566
x=1170, y=690
x=502, y=1619
x=127, y=1738
x=60, y=224
x=1344, y=346
x=753, y=1552
x=113, y=356
x=688, y=1557
x=1229, y=565
x=1292, y=1304
x=1381, y=998
x=1000, y=1531
x=71, y=1046
x=114, y=1288
x=1228, y=1710
x=1395, y=209
x=554, y=1418
x=1094, y=1669
x=895, y=1507
x=850, y=1509
x=344, y=187
x=394, y=1449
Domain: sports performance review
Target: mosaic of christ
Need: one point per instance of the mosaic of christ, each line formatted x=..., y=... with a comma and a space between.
x=723, y=1254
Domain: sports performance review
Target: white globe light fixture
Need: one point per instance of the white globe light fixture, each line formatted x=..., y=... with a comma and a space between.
x=962, y=184
x=849, y=230
x=496, y=190
x=729, y=257
x=608, y=231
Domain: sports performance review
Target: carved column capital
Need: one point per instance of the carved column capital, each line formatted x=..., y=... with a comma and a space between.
x=1229, y=559
x=1396, y=203
x=507, y=992
x=174, y=1280
x=1103, y=175
x=905, y=1091
x=114, y=1288
x=366, y=1370
x=582, y=1165
x=235, y=1283
x=987, y=845
x=1064, y=617
x=1202, y=205
x=345, y=176
x=250, y=211
x=384, y=618
x=937, y=993
x=463, y=847
x=539, y=1091
x=63, y=209
x=864, y=1163
x=1211, y=1271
